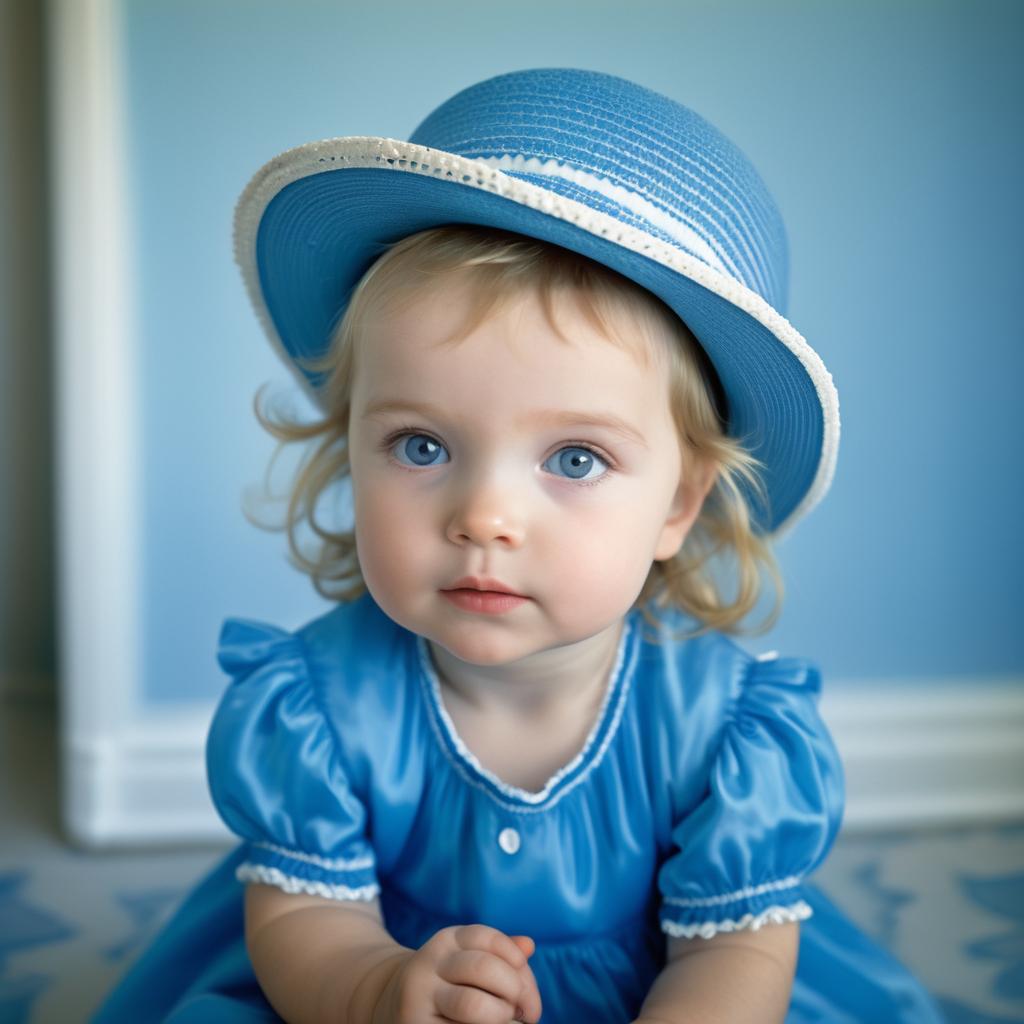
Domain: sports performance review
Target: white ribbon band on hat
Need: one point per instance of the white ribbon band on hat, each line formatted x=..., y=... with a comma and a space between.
x=676, y=229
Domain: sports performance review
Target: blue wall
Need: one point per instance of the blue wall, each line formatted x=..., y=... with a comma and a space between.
x=889, y=134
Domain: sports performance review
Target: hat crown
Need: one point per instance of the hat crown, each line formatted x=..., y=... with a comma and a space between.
x=645, y=159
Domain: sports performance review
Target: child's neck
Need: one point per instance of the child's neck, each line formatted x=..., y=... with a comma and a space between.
x=541, y=685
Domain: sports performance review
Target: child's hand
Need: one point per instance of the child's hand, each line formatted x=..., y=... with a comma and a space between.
x=471, y=974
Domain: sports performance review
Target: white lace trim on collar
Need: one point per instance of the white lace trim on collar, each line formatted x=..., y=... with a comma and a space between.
x=531, y=800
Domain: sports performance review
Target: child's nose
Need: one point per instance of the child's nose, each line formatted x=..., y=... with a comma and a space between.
x=487, y=513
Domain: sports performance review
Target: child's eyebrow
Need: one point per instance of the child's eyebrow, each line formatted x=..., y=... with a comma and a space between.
x=536, y=417
x=569, y=418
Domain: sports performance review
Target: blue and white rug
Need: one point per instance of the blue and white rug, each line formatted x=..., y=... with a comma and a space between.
x=950, y=905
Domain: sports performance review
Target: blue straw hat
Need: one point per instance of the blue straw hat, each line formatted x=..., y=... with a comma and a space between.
x=590, y=162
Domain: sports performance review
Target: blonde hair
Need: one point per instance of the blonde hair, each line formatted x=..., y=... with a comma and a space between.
x=499, y=265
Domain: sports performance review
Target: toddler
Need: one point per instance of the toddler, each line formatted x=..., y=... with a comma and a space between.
x=518, y=771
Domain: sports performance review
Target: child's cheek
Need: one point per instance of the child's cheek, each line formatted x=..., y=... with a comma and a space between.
x=605, y=558
x=385, y=540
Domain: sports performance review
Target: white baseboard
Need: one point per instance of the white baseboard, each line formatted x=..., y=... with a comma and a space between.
x=922, y=752
x=144, y=785
x=916, y=754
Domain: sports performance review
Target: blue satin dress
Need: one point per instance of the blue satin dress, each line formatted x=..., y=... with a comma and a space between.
x=706, y=792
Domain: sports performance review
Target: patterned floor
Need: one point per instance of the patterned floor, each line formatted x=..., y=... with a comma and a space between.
x=950, y=904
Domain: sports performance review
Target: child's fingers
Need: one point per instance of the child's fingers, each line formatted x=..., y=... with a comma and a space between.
x=490, y=940
x=528, y=1001
x=525, y=943
x=478, y=969
x=528, y=1004
x=468, y=1005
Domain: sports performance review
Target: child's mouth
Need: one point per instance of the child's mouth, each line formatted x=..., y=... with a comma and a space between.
x=488, y=602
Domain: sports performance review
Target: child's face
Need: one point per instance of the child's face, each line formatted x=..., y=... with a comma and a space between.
x=552, y=468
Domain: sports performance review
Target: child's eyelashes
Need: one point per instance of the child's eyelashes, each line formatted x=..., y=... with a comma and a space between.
x=417, y=450
x=576, y=461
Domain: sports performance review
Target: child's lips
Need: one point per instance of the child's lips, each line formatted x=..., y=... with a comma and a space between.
x=482, y=583
x=486, y=602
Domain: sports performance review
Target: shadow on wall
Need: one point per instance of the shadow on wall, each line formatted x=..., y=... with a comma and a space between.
x=27, y=611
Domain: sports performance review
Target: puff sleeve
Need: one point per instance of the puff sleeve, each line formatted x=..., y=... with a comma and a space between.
x=276, y=775
x=770, y=814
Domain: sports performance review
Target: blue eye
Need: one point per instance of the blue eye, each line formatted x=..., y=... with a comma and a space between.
x=419, y=450
x=577, y=464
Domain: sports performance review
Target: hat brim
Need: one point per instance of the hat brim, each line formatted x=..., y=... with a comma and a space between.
x=314, y=219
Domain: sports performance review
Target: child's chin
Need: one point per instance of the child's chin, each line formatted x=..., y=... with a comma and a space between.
x=476, y=647
x=483, y=655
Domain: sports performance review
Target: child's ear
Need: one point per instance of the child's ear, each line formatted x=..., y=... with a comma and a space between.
x=698, y=479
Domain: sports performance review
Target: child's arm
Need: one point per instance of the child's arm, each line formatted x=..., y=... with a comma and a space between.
x=320, y=960
x=733, y=978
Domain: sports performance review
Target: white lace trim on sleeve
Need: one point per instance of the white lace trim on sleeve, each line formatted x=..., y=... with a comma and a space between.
x=272, y=876
x=709, y=929
x=327, y=863
x=740, y=894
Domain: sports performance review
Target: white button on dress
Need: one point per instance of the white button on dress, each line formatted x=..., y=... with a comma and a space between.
x=508, y=840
